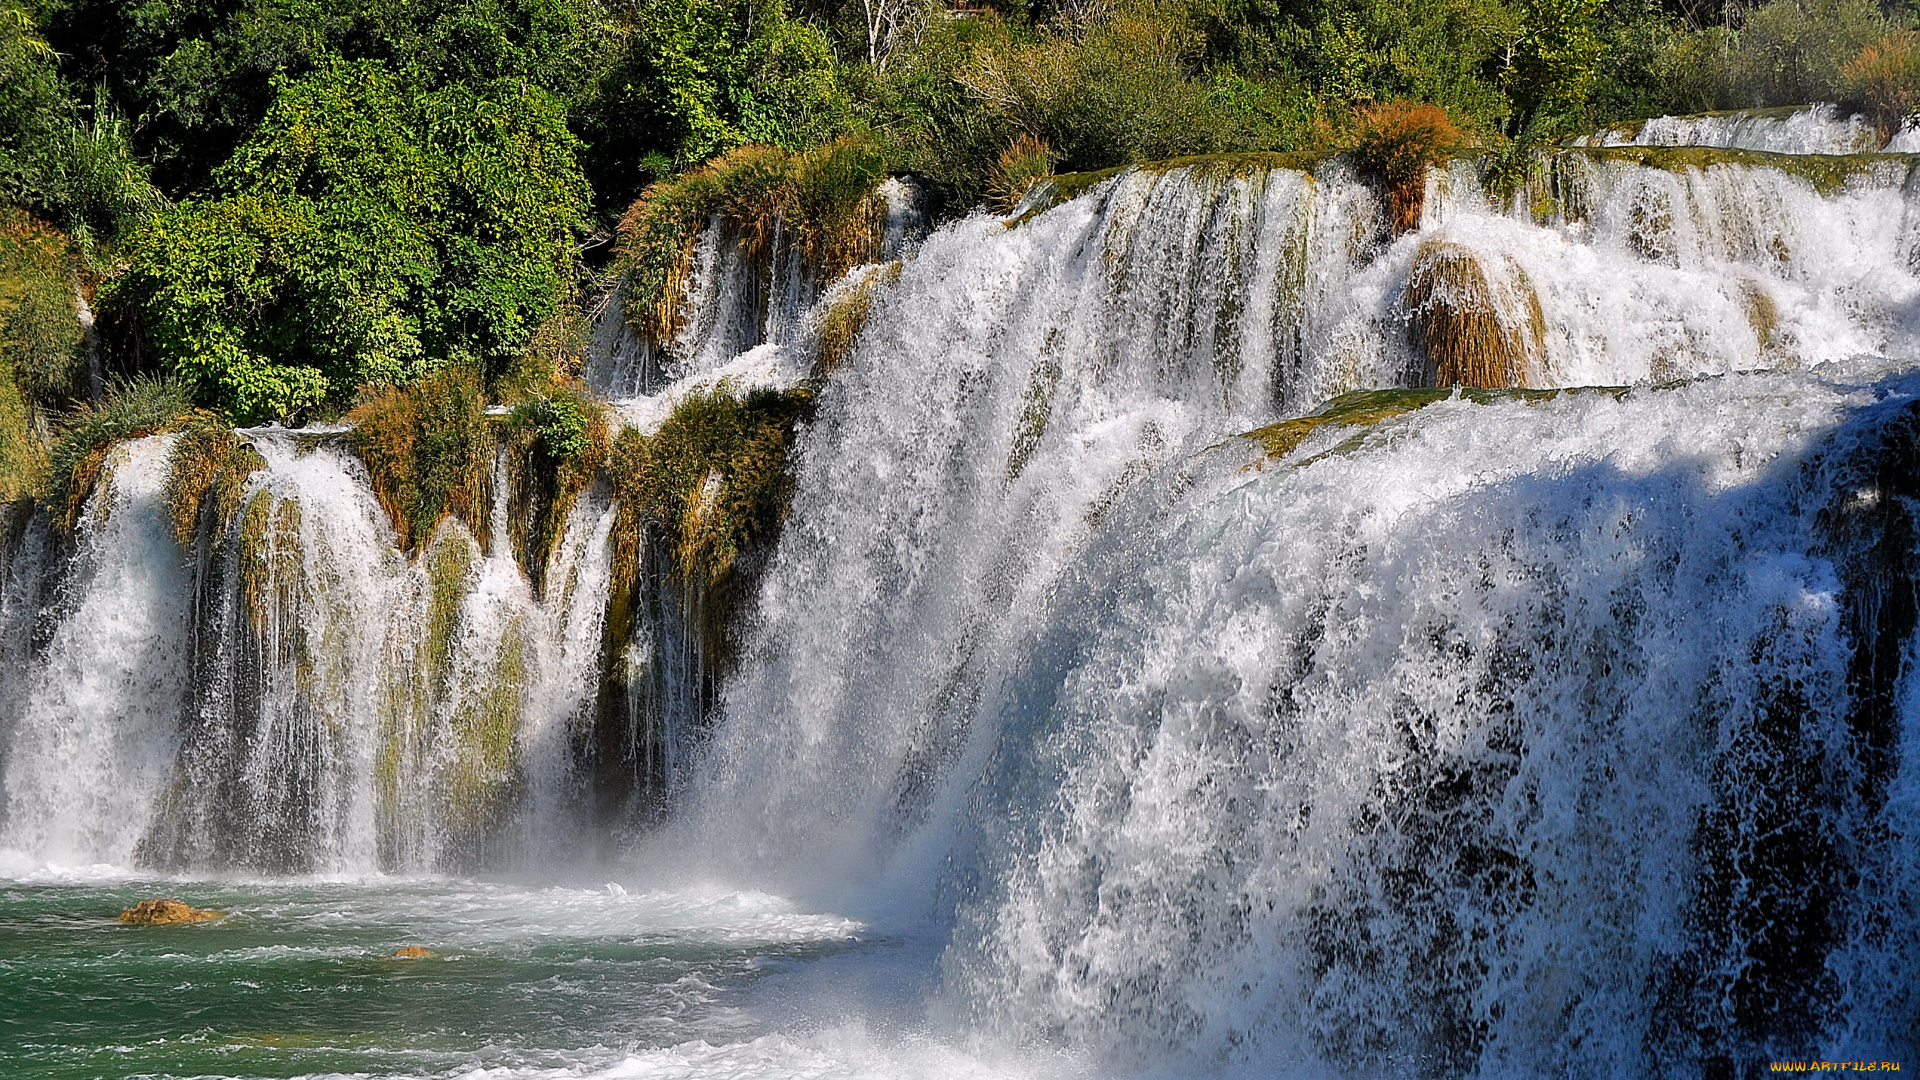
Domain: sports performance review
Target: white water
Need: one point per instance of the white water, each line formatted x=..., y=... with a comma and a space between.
x=1451, y=746
x=1816, y=129
x=77, y=789
x=1393, y=761
x=276, y=710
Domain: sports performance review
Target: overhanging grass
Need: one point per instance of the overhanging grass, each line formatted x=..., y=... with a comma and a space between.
x=429, y=452
x=823, y=200
x=132, y=409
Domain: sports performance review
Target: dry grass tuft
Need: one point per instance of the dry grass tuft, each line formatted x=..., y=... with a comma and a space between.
x=1472, y=331
x=1394, y=143
x=1026, y=161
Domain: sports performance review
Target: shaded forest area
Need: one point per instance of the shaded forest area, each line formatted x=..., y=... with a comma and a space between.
x=284, y=209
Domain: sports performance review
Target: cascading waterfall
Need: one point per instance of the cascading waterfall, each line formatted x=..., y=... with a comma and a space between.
x=1565, y=736
x=1817, y=129
x=1497, y=733
x=292, y=694
x=78, y=787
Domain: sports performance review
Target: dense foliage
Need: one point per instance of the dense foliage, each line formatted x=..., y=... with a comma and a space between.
x=364, y=235
x=289, y=206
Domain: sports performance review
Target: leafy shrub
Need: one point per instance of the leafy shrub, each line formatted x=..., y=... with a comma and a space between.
x=132, y=408
x=1395, y=143
x=1120, y=88
x=428, y=451
x=366, y=236
x=692, y=79
x=76, y=170
x=1790, y=52
x=1554, y=61
x=200, y=77
x=1885, y=77
x=41, y=339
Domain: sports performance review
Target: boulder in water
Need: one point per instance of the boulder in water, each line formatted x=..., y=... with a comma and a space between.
x=166, y=913
x=413, y=952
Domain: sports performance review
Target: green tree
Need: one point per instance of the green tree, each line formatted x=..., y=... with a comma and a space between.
x=71, y=165
x=693, y=78
x=1551, y=66
x=196, y=77
x=364, y=235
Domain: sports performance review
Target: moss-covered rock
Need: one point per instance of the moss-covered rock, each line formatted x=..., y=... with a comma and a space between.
x=1828, y=173
x=1476, y=321
x=167, y=913
x=1364, y=409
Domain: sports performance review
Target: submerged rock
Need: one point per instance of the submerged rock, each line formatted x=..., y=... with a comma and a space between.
x=413, y=952
x=167, y=912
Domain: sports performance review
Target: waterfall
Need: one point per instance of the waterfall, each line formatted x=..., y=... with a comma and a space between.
x=1153, y=629
x=1815, y=129
x=291, y=693
x=1507, y=735
x=95, y=717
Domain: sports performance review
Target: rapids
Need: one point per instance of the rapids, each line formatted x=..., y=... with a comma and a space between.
x=1489, y=734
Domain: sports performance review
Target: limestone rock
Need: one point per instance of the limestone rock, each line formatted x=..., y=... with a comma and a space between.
x=167, y=912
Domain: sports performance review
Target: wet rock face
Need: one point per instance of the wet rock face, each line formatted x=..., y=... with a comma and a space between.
x=166, y=913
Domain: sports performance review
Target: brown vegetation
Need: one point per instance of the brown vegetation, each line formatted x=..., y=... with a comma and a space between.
x=1472, y=331
x=1394, y=143
x=428, y=451
x=206, y=472
x=1886, y=77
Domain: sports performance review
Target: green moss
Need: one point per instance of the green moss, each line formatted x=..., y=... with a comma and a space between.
x=1035, y=411
x=1762, y=313
x=477, y=778
x=1366, y=408
x=711, y=486
x=23, y=455
x=840, y=326
x=1469, y=336
x=270, y=559
x=449, y=565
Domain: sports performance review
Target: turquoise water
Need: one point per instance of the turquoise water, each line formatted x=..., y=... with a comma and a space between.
x=300, y=979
